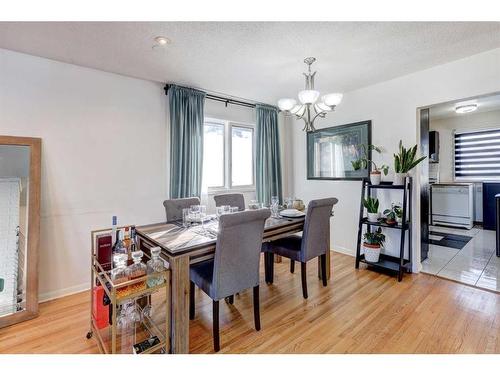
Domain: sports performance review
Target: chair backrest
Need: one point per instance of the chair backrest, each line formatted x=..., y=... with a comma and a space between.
x=316, y=234
x=173, y=207
x=233, y=200
x=237, y=252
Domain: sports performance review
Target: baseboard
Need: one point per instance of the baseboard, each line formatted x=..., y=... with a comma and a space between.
x=344, y=250
x=44, y=297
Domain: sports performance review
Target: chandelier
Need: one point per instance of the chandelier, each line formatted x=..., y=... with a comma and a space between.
x=310, y=108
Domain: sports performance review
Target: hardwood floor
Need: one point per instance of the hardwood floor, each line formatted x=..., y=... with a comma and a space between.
x=360, y=311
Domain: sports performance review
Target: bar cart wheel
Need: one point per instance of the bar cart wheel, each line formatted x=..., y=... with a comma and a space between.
x=89, y=335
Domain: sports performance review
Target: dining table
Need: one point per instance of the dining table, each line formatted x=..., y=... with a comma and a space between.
x=185, y=245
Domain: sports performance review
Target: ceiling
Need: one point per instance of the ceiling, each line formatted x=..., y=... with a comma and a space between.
x=254, y=60
x=447, y=110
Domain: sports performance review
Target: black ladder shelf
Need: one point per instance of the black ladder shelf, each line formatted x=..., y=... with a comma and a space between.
x=387, y=262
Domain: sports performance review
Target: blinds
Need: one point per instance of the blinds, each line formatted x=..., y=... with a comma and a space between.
x=477, y=155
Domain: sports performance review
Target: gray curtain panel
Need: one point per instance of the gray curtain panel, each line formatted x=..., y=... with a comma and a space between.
x=186, y=141
x=268, y=161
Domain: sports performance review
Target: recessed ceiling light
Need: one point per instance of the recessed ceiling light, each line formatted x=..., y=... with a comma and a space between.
x=466, y=108
x=162, y=40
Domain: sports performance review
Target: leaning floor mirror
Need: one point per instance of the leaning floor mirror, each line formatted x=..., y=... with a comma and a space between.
x=19, y=228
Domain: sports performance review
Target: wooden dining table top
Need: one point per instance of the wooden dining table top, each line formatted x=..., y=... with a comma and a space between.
x=175, y=239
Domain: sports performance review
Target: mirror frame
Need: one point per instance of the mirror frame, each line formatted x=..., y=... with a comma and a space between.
x=33, y=238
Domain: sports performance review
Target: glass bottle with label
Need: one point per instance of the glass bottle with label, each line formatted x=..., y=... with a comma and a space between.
x=137, y=270
x=119, y=246
x=155, y=265
x=119, y=274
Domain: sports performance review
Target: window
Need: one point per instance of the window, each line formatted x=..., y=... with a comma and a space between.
x=477, y=155
x=228, y=155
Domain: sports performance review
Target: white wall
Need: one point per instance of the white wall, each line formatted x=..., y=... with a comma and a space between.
x=103, y=153
x=446, y=127
x=391, y=106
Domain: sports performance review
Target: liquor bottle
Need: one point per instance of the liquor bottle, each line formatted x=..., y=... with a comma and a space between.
x=114, y=223
x=135, y=271
x=118, y=247
x=133, y=241
x=126, y=239
x=155, y=265
x=119, y=274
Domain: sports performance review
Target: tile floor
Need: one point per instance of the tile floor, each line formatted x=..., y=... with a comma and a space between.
x=474, y=264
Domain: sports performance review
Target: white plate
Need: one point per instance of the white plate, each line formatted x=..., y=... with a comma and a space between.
x=292, y=212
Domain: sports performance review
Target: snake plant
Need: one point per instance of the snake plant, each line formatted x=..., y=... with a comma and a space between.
x=404, y=160
x=371, y=204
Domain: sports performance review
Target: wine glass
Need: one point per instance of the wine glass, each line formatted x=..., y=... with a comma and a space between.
x=274, y=205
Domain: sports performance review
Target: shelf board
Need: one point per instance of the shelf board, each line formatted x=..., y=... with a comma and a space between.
x=385, y=185
x=387, y=262
x=382, y=224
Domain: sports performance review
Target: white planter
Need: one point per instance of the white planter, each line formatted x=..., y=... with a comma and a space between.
x=373, y=217
x=372, y=253
x=399, y=178
x=375, y=178
x=399, y=220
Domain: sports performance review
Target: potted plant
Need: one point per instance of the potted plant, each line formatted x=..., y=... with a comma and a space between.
x=372, y=243
x=363, y=161
x=399, y=213
x=391, y=214
x=371, y=204
x=404, y=161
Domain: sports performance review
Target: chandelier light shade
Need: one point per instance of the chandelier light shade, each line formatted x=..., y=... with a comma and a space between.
x=286, y=104
x=310, y=108
x=308, y=96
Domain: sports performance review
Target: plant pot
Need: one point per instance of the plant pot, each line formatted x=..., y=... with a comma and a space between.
x=399, y=220
x=373, y=217
x=375, y=178
x=399, y=178
x=390, y=222
x=372, y=252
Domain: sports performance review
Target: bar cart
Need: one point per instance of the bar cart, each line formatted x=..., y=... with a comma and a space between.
x=137, y=313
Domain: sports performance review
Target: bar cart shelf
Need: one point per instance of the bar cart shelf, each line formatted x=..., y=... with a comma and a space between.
x=153, y=326
x=386, y=262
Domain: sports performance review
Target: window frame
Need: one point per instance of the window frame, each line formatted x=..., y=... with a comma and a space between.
x=479, y=178
x=228, y=155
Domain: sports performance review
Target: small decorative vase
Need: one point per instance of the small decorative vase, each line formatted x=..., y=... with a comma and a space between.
x=375, y=177
x=373, y=218
x=399, y=178
x=372, y=252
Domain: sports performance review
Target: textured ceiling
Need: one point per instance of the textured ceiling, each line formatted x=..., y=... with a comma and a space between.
x=254, y=60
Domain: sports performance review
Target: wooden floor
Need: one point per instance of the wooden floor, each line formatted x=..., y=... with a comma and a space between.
x=360, y=311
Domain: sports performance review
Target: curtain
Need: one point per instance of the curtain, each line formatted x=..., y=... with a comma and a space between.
x=186, y=141
x=268, y=161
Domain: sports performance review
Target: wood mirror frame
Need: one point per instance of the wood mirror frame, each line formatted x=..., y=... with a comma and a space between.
x=33, y=233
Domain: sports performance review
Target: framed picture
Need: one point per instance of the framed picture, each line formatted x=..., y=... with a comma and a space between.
x=331, y=151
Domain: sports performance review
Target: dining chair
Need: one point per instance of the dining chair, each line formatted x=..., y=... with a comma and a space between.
x=174, y=207
x=235, y=266
x=233, y=200
x=314, y=242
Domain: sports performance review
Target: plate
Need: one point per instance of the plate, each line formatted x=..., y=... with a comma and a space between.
x=292, y=212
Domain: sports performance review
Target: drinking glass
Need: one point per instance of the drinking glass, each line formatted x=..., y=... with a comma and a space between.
x=254, y=204
x=226, y=209
x=233, y=209
x=186, y=220
x=274, y=205
x=219, y=211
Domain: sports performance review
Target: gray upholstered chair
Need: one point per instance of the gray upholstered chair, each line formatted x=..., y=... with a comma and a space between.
x=314, y=242
x=235, y=266
x=233, y=200
x=173, y=207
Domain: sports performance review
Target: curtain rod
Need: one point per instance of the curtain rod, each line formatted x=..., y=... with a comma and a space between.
x=222, y=99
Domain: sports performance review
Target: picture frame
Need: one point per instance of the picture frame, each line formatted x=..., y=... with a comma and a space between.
x=330, y=151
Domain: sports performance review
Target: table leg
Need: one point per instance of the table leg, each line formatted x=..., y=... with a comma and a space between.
x=180, y=305
x=277, y=259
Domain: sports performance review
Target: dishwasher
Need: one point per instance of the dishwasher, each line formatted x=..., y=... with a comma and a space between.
x=453, y=205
